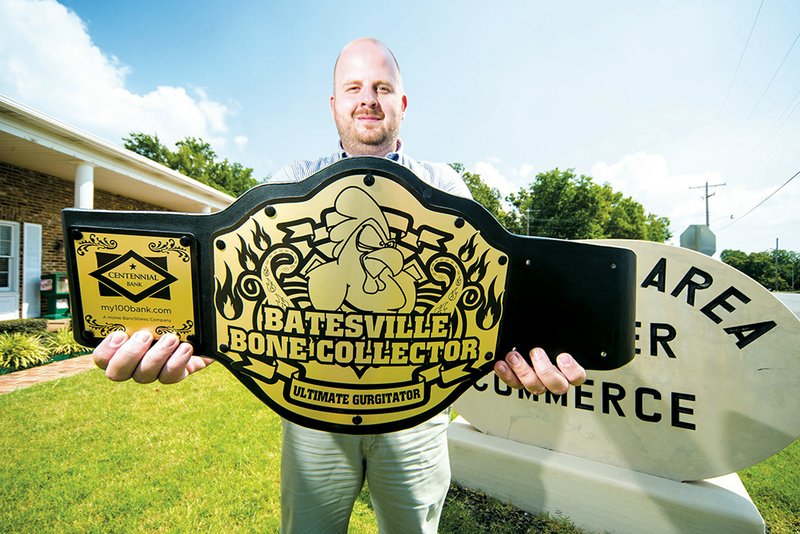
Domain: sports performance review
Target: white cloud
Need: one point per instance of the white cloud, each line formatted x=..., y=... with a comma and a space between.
x=240, y=141
x=48, y=62
x=506, y=181
x=524, y=173
x=648, y=179
x=493, y=177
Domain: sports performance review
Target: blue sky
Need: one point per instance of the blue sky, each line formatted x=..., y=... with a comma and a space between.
x=640, y=94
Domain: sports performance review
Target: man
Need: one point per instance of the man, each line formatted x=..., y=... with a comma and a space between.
x=322, y=473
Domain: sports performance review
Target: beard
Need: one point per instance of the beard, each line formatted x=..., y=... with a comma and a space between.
x=359, y=140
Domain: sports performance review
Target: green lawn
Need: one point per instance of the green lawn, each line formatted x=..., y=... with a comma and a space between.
x=84, y=454
x=774, y=486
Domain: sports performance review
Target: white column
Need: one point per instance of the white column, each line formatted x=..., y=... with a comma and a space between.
x=84, y=186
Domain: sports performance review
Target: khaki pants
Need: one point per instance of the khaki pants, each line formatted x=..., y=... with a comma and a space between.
x=322, y=474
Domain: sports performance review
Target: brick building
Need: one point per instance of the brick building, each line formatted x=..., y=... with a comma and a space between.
x=45, y=166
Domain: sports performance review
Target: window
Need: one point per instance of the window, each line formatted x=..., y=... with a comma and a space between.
x=8, y=253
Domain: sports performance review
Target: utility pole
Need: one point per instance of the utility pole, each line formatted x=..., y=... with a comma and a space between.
x=528, y=214
x=707, y=194
x=528, y=222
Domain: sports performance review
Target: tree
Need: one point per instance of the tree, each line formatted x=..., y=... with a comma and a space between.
x=560, y=204
x=488, y=197
x=735, y=258
x=773, y=269
x=196, y=159
x=657, y=228
x=148, y=146
x=626, y=219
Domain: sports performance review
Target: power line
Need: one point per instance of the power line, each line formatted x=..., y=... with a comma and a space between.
x=771, y=80
x=770, y=135
x=738, y=65
x=760, y=203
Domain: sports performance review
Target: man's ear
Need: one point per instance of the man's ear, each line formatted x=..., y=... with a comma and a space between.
x=332, y=102
x=405, y=104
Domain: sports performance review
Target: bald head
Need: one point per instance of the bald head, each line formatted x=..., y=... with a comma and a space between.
x=366, y=46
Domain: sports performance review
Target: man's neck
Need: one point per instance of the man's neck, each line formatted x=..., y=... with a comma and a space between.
x=372, y=150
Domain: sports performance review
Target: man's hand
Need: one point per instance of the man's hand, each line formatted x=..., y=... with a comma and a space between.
x=543, y=375
x=168, y=361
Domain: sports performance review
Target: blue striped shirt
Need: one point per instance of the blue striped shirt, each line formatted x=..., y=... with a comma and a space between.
x=439, y=175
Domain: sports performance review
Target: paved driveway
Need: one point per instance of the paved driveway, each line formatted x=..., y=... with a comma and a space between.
x=43, y=373
x=792, y=300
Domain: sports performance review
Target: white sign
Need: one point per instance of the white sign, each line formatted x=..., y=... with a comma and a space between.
x=714, y=386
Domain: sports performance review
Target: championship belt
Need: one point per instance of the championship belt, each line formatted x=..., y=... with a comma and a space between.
x=359, y=300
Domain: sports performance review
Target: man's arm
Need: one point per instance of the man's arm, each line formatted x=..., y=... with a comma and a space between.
x=167, y=361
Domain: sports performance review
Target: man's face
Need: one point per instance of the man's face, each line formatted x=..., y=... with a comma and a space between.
x=368, y=103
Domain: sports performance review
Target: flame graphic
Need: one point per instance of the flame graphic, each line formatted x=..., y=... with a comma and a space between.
x=247, y=258
x=228, y=302
x=488, y=315
x=260, y=238
x=467, y=250
x=477, y=270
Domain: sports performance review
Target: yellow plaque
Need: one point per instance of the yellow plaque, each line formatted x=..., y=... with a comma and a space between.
x=358, y=306
x=132, y=282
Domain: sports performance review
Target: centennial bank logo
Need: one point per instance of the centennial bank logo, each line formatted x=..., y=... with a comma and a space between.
x=359, y=306
x=133, y=276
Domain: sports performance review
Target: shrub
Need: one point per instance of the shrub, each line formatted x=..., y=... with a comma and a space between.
x=62, y=342
x=23, y=326
x=20, y=351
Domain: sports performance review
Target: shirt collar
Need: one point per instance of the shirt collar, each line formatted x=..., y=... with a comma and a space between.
x=394, y=156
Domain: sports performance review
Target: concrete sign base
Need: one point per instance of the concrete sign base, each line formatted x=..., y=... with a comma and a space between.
x=597, y=496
